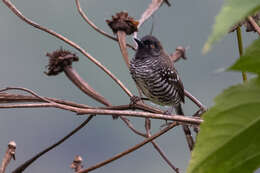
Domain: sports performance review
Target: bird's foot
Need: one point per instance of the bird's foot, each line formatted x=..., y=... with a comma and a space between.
x=167, y=112
x=133, y=101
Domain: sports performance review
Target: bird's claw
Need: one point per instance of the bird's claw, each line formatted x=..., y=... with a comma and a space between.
x=133, y=101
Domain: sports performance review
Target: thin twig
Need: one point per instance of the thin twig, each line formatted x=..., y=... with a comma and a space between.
x=195, y=100
x=254, y=24
x=117, y=156
x=14, y=98
x=84, y=16
x=22, y=167
x=59, y=36
x=152, y=8
x=163, y=155
x=131, y=127
x=156, y=146
x=27, y=105
x=27, y=90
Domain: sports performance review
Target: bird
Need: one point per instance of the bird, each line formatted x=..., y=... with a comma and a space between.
x=155, y=75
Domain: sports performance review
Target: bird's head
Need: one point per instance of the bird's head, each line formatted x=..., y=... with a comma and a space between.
x=149, y=45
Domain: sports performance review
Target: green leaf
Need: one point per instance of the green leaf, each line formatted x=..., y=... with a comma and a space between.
x=232, y=12
x=229, y=140
x=250, y=61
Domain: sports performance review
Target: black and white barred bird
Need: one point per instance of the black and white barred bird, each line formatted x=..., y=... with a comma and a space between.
x=154, y=73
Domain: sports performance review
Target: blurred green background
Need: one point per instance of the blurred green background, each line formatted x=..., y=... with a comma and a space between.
x=23, y=61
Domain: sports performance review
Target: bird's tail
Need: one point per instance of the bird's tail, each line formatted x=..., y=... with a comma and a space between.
x=185, y=128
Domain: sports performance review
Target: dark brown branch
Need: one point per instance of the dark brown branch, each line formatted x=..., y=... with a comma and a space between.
x=22, y=167
x=129, y=150
x=59, y=36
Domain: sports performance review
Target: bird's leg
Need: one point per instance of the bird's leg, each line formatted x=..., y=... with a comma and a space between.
x=167, y=112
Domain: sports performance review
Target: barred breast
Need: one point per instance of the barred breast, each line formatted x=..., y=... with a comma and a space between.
x=160, y=83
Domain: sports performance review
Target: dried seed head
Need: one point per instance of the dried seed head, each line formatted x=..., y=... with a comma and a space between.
x=12, y=144
x=78, y=159
x=122, y=22
x=12, y=148
x=77, y=163
x=182, y=51
x=58, y=60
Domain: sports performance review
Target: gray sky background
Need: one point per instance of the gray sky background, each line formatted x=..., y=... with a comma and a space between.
x=23, y=60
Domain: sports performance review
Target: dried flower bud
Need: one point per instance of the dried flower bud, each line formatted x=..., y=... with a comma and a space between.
x=123, y=22
x=182, y=50
x=11, y=148
x=77, y=163
x=12, y=144
x=58, y=60
x=179, y=53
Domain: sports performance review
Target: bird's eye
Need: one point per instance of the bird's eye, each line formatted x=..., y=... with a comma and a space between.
x=152, y=46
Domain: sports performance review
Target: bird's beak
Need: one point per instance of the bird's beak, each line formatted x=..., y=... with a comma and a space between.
x=139, y=42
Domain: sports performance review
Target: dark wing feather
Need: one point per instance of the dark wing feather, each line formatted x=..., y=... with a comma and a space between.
x=171, y=74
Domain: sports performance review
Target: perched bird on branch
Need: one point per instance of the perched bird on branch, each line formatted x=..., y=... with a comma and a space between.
x=155, y=75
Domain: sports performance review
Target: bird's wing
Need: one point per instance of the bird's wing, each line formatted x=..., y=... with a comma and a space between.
x=171, y=74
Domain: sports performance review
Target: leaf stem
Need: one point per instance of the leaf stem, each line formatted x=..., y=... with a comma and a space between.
x=240, y=48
